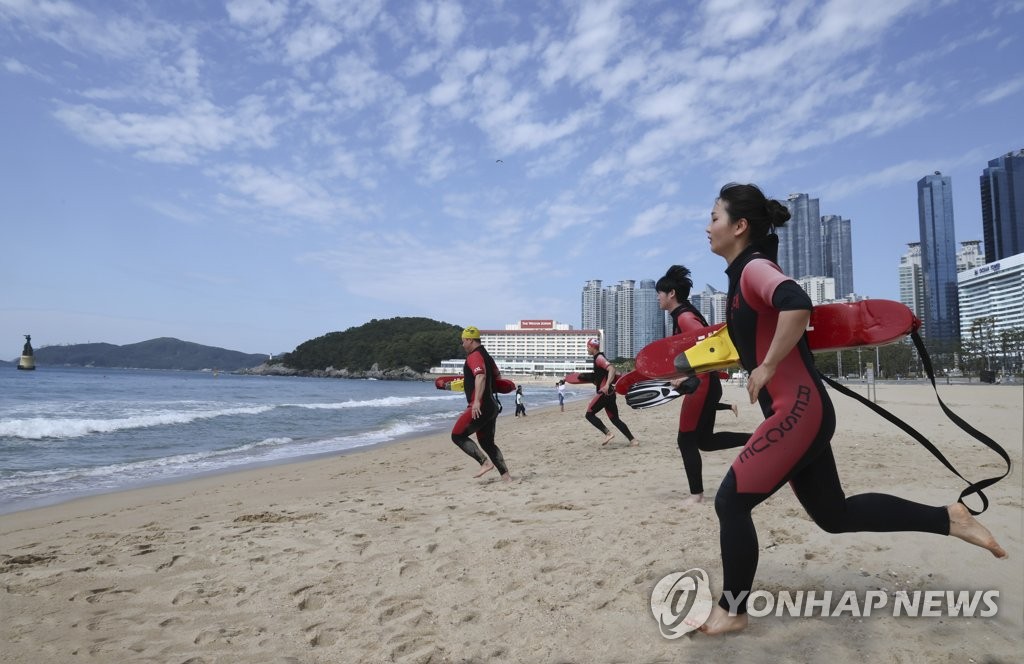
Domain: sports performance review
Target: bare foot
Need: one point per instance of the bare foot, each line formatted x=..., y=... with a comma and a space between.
x=962, y=524
x=735, y=410
x=634, y=443
x=484, y=468
x=608, y=438
x=506, y=477
x=720, y=622
x=693, y=499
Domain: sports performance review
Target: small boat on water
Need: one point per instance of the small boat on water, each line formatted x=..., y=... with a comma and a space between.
x=27, y=361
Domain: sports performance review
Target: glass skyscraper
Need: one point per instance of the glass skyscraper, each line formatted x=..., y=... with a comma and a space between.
x=838, y=253
x=648, y=318
x=800, y=246
x=938, y=257
x=1002, y=206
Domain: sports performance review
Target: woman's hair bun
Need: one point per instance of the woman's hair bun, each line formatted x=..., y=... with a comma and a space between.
x=778, y=214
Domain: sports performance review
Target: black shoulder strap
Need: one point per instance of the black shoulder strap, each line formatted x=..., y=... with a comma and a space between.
x=972, y=487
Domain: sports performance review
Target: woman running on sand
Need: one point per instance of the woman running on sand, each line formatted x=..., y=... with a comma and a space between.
x=767, y=316
x=699, y=409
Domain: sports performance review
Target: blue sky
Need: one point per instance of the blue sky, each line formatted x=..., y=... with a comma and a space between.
x=254, y=173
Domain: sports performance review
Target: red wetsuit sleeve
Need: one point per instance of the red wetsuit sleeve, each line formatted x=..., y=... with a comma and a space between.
x=758, y=282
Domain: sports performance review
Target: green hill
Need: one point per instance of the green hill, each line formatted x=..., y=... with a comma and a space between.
x=162, y=353
x=417, y=343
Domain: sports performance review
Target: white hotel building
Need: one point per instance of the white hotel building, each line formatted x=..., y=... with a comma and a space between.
x=994, y=289
x=533, y=347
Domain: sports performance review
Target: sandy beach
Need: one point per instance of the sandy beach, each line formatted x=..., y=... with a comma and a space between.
x=397, y=554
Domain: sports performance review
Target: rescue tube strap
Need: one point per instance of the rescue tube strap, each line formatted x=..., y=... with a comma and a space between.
x=972, y=487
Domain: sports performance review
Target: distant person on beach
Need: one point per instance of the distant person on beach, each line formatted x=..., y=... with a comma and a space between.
x=560, y=386
x=699, y=408
x=766, y=317
x=604, y=379
x=481, y=415
x=520, y=406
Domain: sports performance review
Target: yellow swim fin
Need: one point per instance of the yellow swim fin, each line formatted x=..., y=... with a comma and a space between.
x=714, y=352
x=457, y=385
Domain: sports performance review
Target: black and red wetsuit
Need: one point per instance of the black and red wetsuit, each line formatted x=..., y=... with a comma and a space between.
x=605, y=401
x=697, y=413
x=478, y=362
x=793, y=444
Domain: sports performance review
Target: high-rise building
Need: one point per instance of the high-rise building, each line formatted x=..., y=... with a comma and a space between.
x=610, y=322
x=648, y=318
x=800, y=245
x=1002, y=206
x=710, y=303
x=837, y=253
x=819, y=289
x=628, y=315
x=912, y=280
x=624, y=318
x=970, y=256
x=938, y=257
x=592, y=305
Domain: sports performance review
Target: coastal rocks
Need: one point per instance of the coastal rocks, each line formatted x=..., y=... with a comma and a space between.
x=271, y=370
x=374, y=372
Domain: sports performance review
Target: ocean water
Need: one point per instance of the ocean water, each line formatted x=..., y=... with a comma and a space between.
x=69, y=432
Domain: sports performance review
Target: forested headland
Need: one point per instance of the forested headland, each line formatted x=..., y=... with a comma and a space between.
x=392, y=343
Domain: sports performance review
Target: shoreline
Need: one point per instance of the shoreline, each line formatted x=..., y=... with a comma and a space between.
x=56, y=501
x=397, y=554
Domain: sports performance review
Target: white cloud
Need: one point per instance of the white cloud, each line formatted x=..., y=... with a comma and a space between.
x=1001, y=91
x=261, y=16
x=15, y=67
x=405, y=124
x=443, y=21
x=356, y=84
x=902, y=174
x=283, y=197
x=177, y=137
x=733, y=20
x=596, y=37
x=662, y=217
x=566, y=214
x=350, y=15
x=456, y=280
x=310, y=41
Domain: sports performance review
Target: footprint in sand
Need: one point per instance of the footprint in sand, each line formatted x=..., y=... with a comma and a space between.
x=320, y=636
x=107, y=594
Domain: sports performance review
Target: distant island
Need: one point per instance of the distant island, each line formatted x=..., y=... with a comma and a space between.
x=162, y=353
x=402, y=348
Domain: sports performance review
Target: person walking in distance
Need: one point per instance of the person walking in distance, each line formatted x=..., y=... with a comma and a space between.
x=520, y=406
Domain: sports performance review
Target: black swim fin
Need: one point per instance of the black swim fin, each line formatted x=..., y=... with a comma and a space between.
x=651, y=393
